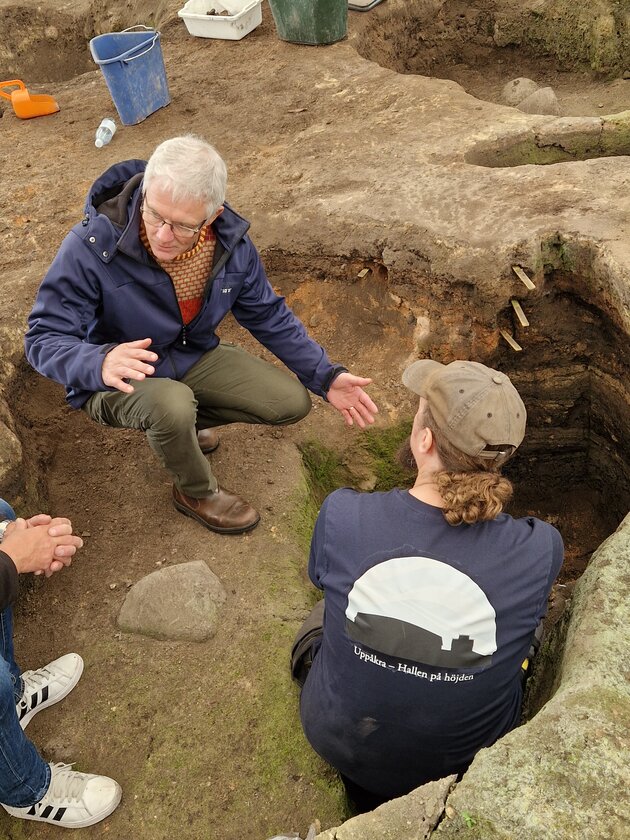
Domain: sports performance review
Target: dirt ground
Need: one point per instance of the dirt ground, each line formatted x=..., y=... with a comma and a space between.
x=205, y=739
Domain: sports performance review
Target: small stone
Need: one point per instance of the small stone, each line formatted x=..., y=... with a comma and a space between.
x=517, y=90
x=542, y=101
x=626, y=74
x=113, y=585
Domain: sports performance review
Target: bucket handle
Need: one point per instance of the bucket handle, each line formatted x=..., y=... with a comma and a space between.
x=11, y=83
x=148, y=49
x=126, y=55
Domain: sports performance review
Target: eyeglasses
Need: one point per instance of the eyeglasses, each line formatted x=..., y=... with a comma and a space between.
x=178, y=230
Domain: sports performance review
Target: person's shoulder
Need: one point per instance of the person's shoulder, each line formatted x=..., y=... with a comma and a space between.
x=346, y=497
x=230, y=225
x=533, y=527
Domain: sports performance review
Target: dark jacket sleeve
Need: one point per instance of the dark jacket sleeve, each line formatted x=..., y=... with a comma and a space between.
x=66, y=303
x=8, y=581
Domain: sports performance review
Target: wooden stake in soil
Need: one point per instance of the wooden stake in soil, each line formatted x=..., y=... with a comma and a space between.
x=522, y=317
x=511, y=340
x=523, y=277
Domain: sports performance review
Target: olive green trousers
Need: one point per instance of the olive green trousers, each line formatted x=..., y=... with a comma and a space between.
x=227, y=385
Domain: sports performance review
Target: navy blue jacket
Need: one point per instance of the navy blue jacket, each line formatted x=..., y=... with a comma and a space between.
x=104, y=288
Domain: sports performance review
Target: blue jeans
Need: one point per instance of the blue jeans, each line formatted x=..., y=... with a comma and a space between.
x=6, y=511
x=24, y=775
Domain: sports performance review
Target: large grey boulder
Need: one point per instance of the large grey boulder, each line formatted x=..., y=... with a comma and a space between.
x=178, y=602
x=412, y=817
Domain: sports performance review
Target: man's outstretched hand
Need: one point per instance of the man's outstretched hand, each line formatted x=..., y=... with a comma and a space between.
x=130, y=360
x=346, y=394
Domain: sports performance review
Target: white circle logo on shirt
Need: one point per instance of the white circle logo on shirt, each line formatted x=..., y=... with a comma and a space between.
x=422, y=610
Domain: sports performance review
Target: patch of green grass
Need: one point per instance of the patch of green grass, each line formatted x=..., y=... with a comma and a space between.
x=324, y=473
x=382, y=446
x=282, y=750
x=469, y=820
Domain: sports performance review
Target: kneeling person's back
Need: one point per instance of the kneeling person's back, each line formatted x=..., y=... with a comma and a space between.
x=432, y=595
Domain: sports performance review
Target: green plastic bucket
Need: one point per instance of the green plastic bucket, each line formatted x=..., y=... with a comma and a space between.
x=310, y=21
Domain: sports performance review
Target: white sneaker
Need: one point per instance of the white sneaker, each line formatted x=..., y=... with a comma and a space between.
x=73, y=800
x=48, y=685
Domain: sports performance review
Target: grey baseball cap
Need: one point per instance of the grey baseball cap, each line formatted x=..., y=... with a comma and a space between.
x=474, y=406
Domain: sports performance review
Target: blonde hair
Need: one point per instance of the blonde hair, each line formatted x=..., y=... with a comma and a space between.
x=473, y=489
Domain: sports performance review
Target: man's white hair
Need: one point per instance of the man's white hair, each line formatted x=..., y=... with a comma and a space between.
x=190, y=169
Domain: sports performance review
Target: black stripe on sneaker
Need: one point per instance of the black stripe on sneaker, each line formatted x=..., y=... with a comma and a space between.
x=32, y=811
x=59, y=815
x=46, y=812
x=44, y=694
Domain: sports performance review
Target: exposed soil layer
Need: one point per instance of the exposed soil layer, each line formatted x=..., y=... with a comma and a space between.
x=466, y=42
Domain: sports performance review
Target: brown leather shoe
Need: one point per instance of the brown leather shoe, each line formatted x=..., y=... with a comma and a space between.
x=208, y=440
x=223, y=512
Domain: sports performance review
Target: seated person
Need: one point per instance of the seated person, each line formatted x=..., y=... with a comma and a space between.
x=432, y=597
x=31, y=788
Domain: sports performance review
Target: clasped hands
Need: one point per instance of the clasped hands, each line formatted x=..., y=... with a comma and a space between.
x=41, y=544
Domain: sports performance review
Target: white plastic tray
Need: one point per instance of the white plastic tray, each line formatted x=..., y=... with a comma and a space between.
x=244, y=16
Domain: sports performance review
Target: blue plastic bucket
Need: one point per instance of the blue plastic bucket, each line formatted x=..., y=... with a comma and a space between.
x=133, y=67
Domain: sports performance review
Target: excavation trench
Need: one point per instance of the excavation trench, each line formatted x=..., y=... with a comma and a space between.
x=241, y=735
x=46, y=43
x=573, y=372
x=577, y=49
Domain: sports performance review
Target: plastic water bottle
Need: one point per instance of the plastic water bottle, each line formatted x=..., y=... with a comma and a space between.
x=104, y=133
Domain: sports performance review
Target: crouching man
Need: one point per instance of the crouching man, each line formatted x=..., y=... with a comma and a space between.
x=127, y=314
x=432, y=597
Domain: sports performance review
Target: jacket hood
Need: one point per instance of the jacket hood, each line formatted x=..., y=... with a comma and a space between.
x=112, y=215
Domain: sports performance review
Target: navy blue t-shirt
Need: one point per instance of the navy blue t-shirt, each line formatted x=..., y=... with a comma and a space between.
x=426, y=627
